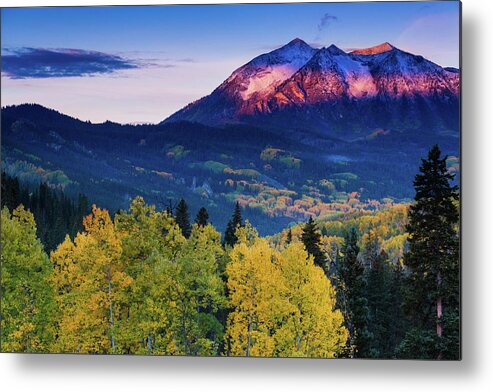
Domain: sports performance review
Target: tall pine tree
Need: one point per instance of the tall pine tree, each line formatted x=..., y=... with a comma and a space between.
x=235, y=222
x=352, y=301
x=397, y=327
x=311, y=238
x=202, y=218
x=432, y=285
x=289, y=237
x=55, y=213
x=379, y=302
x=182, y=218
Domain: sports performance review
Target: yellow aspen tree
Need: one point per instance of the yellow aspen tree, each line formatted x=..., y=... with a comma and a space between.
x=256, y=294
x=313, y=328
x=90, y=281
x=27, y=298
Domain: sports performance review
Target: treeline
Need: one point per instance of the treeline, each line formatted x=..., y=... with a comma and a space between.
x=55, y=214
x=152, y=282
x=136, y=284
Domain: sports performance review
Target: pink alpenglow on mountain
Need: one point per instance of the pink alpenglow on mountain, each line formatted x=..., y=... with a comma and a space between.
x=382, y=48
x=326, y=89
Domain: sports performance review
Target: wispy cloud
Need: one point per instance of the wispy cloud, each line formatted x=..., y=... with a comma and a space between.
x=325, y=22
x=159, y=62
x=25, y=63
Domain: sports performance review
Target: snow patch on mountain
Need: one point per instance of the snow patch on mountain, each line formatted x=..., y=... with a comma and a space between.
x=261, y=76
x=266, y=81
x=357, y=75
x=308, y=83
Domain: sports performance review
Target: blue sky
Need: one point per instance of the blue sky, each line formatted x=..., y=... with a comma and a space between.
x=140, y=64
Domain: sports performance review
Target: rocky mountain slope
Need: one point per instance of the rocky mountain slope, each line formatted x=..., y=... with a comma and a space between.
x=333, y=92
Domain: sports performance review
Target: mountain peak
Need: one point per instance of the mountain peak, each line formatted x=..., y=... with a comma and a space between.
x=262, y=75
x=332, y=49
x=294, y=48
x=297, y=41
x=296, y=76
x=382, y=48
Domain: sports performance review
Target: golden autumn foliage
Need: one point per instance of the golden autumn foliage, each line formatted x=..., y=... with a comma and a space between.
x=283, y=305
x=255, y=287
x=387, y=226
x=135, y=285
x=314, y=327
x=89, y=280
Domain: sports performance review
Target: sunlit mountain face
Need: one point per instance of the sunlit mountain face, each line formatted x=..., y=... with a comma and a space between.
x=335, y=93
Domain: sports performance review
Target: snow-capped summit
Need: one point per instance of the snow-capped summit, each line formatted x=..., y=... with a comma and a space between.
x=297, y=41
x=261, y=76
x=326, y=86
x=330, y=74
x=398, y=73
x=332, y=49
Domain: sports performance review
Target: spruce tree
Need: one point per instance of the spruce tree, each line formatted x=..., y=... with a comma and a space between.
x=10, y=192
x=235, y=222
x=379, y=302
x=182, y=218
x=289, y=237
x=56, y=214
x=311, y=238
x=432, y=284
x=351, y=297
x=202, y=218
x=397, y=327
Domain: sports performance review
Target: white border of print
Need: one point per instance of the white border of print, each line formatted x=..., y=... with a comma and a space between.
x=93, y=373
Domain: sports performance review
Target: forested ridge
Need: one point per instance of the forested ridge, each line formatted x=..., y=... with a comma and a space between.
x=279, y=176
x=55, y=213
x=381, y=284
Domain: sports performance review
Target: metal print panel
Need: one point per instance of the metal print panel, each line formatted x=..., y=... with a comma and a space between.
x=267, y=180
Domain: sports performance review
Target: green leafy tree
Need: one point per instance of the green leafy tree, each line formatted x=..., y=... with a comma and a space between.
x=311, y=238
x=432, y=285
x=27, y=297
x=149, y=240
x=197, y=294
x=177, y=291
x=55, y=214
x=182, y=218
